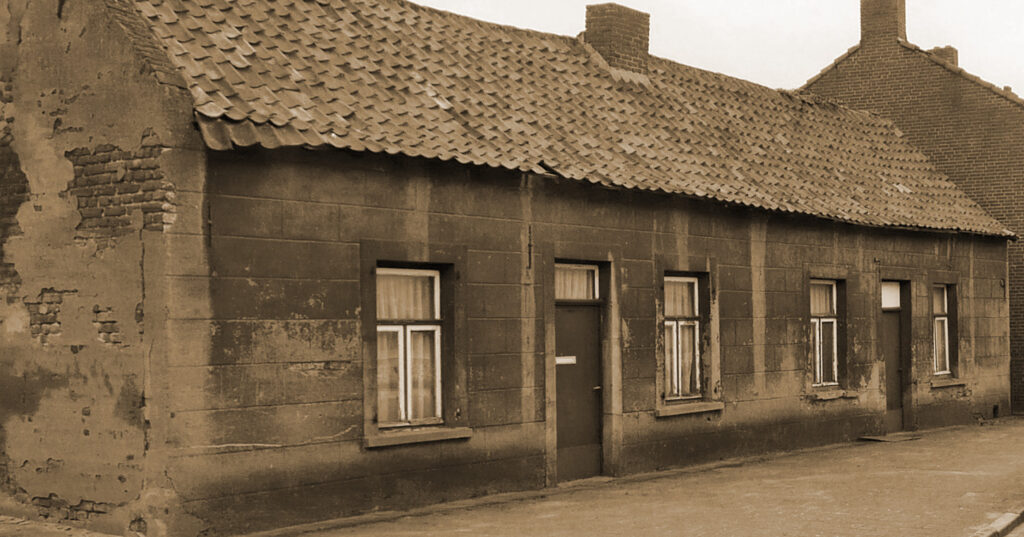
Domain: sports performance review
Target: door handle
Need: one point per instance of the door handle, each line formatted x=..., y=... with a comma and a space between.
x=597, y=388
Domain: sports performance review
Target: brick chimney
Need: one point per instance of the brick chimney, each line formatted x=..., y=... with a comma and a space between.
x=883, y=20
x=620, y=35
x=947, y=53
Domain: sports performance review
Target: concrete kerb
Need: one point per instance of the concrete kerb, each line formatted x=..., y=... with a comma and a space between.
x=585, y=484
x=1002, y=526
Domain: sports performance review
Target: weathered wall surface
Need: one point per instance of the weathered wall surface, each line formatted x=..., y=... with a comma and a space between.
x=972, y=134
x=268, y=421
x=85, y=196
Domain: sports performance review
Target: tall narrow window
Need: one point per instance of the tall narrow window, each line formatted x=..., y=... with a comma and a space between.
x=824, y=334
x=682, y=338
x=940, y=329
x=408, y=347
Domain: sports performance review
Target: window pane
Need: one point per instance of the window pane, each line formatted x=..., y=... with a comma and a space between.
x=939, y=299
x=828, y=339
x=422, y=374
x=405, y=296
x=389, y=376
x=822, y=303
x=891, y=295
x=679, y=298
x=941, y=347
x=671, y=361
x=689, y=371
x=575, y=282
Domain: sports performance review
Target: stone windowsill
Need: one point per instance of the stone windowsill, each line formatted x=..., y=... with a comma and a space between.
x=684, y=408
x=830, y=394
x=946, y=381
x=402, y=437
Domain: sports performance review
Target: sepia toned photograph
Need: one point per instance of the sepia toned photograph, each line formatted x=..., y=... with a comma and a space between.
x=546, y=268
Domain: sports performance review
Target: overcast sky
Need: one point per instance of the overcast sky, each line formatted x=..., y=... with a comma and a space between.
x=782, y=43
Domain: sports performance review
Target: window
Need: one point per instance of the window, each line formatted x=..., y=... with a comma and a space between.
x=682, y=338
x=941, y=329
x=576, y=282
x=824, y=332
x=408, y=347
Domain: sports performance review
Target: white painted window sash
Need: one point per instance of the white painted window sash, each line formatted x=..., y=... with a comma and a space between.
x=398, y=329
x=675, y=392
x=436, y=329
x=817, y=325
x=404, y=331
x=941, y=362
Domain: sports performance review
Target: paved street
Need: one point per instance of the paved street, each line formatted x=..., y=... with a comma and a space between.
x=949, y=482
x=15, y=527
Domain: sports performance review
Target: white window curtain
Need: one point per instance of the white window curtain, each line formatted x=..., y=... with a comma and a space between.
x=403, y=296
x=822, y=299
x=680, y=298
x=408, y=347
x=575, y=282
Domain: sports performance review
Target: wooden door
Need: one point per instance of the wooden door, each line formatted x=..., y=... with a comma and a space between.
x=892, y=354
x=578, y=391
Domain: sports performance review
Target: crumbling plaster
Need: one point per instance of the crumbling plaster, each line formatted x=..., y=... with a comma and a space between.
x=80, y=429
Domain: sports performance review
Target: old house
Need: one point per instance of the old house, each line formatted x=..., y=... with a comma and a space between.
x=972, y=130
x=268, y=262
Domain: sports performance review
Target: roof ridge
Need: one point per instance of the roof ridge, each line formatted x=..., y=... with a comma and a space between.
x=483, y=22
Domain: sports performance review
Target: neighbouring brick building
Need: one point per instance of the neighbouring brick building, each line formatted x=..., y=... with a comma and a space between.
x=274, y=262
x=972, y=130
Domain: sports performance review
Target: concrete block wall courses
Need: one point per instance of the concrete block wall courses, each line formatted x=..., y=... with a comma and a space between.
x=970, y=132
x=276, y=371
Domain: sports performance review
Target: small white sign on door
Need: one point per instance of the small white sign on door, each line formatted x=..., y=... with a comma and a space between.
x=565, y=360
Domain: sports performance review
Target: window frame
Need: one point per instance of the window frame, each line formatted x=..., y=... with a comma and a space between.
x=405, y=327
x=944, y=316
x=676, y=322
x=816, y=340
x=594, y=269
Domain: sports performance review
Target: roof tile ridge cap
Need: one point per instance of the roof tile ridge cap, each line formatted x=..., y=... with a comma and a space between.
x=482, y=22
x=674, y=64
x=956, y=69
x=168, y=74
x=835, y=63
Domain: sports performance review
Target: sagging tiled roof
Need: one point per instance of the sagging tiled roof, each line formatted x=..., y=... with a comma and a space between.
x=389, y=76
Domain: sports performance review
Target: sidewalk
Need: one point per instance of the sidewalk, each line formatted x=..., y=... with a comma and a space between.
x=949, y=483
x=16, y=527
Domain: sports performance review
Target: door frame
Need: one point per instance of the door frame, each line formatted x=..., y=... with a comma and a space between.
x=906, y=279
x=605, y=259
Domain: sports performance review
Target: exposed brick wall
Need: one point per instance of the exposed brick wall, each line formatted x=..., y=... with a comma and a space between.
x=282, y=378
x=620, y=35
x=972, y=134
x=114, y=186
x=13, y=192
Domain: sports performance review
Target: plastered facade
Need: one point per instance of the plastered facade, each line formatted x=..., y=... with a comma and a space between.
x=87, y=198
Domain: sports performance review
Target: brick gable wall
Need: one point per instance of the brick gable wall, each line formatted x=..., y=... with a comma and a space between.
x=971, y=133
